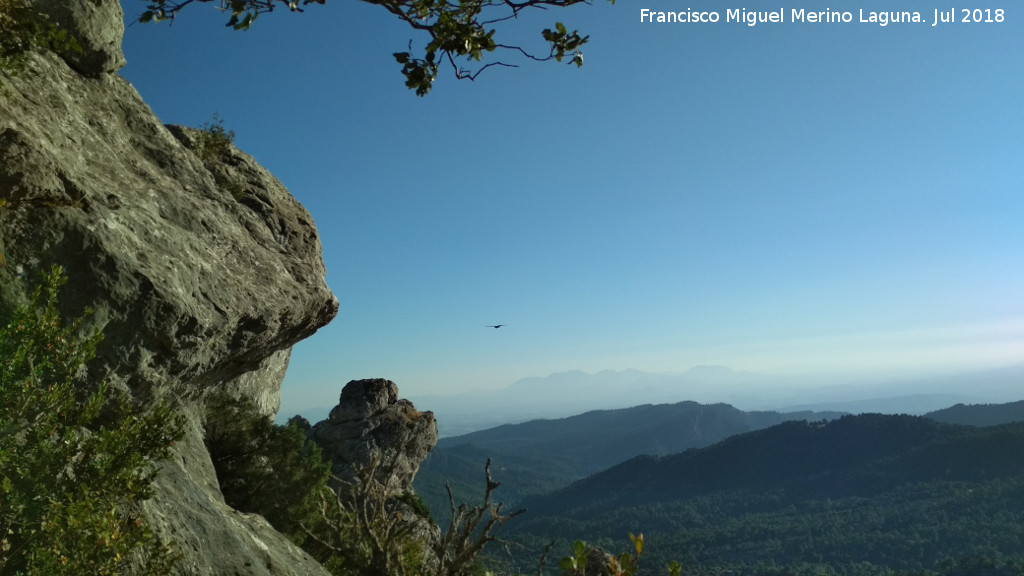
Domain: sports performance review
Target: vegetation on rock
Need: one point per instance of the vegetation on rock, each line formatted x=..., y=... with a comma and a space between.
x=357, y=528
x=23, y=29
x=213, y=139
x=261, y=467
x=74, y=463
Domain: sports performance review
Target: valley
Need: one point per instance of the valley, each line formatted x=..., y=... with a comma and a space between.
x=725, y=491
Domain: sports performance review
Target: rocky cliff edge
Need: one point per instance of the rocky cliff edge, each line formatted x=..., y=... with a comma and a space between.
x=202, y=275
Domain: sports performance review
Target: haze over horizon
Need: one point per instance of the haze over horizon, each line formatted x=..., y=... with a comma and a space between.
x=574, y=392
x=783, y=198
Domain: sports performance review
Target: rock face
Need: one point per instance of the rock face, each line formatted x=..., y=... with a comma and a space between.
x=97, y=26
x=371, y=430
x=202, y=272
x=370, y=425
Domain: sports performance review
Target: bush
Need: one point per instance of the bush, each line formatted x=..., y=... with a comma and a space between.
x=263, y=468
x=359, y=528
x=213, y=139
x=589, y=560
x=23, y=29
x=74, y=464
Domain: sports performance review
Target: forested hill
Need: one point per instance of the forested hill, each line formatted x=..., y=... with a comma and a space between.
x=543, y=455
x=858, y=495
x=980, y=414
x=851, y=456
x=599, y=439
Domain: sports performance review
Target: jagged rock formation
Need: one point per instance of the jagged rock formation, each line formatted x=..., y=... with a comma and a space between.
x=372, y=438
x=198, y=286
x=371, y=426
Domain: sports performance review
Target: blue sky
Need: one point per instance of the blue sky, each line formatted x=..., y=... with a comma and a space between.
x=778, y=198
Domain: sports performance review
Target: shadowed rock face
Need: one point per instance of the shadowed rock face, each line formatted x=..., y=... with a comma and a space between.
x=371, y=425
x=202, y=274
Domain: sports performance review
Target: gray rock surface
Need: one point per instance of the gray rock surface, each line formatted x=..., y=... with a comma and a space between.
x=371, y=425
x=96, y=25
x=371, y=429
x=214, y=539
x=198, y=286
x=192, y=286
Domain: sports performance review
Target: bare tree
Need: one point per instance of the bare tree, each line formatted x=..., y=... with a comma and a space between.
x=471, y=528
x=364, y=527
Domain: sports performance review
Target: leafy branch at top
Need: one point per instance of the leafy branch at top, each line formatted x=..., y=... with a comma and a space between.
x=458, y=30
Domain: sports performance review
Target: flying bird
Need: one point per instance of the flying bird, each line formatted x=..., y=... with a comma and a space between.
x=496, y=326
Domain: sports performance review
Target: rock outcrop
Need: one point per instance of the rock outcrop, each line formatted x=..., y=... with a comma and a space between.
x=198, y=286
x=371, y=426
x=97, y=28
x=372, y=438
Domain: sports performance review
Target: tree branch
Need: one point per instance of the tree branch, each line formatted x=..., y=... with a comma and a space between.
x=455, y=29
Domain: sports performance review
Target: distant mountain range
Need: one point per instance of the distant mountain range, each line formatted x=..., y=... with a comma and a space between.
x=669, y=468
x=980, y=414
x=541, y=456
x=568, y=393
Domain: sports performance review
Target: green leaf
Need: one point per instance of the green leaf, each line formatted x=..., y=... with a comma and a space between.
x=579, y=548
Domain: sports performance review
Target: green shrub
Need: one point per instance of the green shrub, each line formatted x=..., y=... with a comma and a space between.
x=211, y=142
x=213, y=139
x=586, y=560
x=23, y=29
x=275, y=471
x=74, y=463
x=263, y=468
x=416, y=504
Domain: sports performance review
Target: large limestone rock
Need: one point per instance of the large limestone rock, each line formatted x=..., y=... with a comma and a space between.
x=372, y=431
x=371, y=426
x=97, y=27
x=202, y=274
x=193, y=286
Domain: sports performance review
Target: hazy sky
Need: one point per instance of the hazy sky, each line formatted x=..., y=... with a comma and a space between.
x=783, y=197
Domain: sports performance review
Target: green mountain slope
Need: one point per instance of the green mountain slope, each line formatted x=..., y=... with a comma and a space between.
x=980, y=414
x=858, y=495
x=543, y=455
